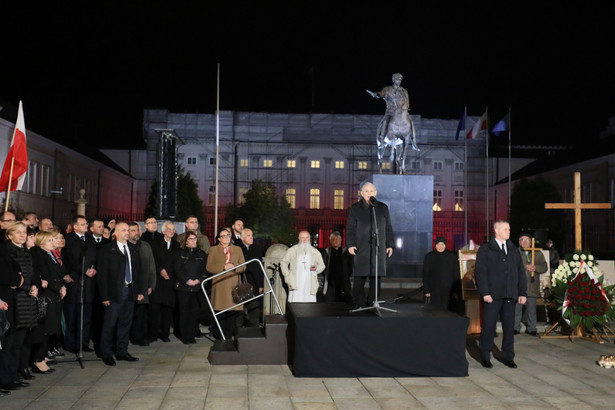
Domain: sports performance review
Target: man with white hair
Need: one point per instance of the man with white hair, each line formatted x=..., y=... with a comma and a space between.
x=300, y=267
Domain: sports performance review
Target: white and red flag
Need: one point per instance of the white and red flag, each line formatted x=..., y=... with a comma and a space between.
x=16, y=164
x=479, y=127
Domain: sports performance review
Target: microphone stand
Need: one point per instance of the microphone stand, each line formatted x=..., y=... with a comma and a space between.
x=374, y=242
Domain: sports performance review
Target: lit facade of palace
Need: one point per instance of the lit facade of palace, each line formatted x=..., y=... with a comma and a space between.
x=317, y=161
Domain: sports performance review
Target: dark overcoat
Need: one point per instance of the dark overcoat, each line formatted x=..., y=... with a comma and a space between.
x=78, y=257
x=46, y=265
x=165, y=259
x=26, y=312
x=440, y=272
x=359, y=230
x=499, y=274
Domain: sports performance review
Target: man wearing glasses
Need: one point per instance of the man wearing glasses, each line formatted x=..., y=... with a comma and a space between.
x=7, y=219
x=192, y=225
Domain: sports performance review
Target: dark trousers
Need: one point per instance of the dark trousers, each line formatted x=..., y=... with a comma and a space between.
x=228, y=322
x=10, y=353
x=72, y=313
x=118, y=318
x=504, y=309
x=33, y=344
x=189, y=310
x=138, y=330
x=159, y=320
x=254, y=311
x=358, y=290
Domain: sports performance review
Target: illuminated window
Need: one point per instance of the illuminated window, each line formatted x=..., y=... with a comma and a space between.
x=191, y=160
x=315, y=164
x=339, y=164
x=437, y=165
x=291, y=163
x=243, y=163
x=386, y=165
x=458, y=201
x=290, y=197
x=362, y=164
x=267, y=163
x=437, y=200
x=314, y=198
x=338, y=199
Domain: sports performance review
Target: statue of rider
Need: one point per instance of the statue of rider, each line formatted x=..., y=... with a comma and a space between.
x=396, y=97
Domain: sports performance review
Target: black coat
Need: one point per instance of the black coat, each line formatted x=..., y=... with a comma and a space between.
x=499, y=274
x=9, y=278
x=440, y=273
x=165, y=259
x=190, y=263
x=26, y=314
x=111, y=272
x=254, y=273
x=79, y=256
x=49, y=270
x=359, y=229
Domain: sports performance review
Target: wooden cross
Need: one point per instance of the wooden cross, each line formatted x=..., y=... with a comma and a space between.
x=532, y=250
x=577, y=206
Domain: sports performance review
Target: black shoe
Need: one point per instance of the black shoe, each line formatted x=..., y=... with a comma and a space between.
x=142, y=344
x=517, y=332
x=189, y=342
x=9, y=386
x=165, y=339
x=533, y=333
x=4, y=393
x=511, y=364
x=127, y=357
x=39, y=371
x=26, y=374
x=19, y=384
x=486, y=363
x=109, y=361
x=51, y=361
x=87, y=349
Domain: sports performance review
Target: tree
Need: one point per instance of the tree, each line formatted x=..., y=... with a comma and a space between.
x=527, y=209
x=265, y=213
x=188, y=201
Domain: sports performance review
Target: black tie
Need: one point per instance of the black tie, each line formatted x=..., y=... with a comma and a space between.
x=128, y=276
x=504, y=248
x=82, y=238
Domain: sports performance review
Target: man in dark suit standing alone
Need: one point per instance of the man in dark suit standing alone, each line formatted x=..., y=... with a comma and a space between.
x=120, y=285
x=500, y=279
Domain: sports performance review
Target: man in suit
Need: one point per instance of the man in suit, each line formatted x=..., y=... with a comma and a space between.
x=500, y=279
x=78, y=256
x=254, y=276
x=138, y=332
x=162, y=299
x=151, y=231
x=337, y=272
x=120, y=285
x=95, y=240
x=237, y=228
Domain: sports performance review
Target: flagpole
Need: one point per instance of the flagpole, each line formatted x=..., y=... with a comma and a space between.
x=509, y=160
x=8, y=190
x=487, y=172
x=217, y=150
x=465, y=175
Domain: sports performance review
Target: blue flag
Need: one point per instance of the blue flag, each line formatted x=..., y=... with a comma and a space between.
x=501, y=125
x=461, y=126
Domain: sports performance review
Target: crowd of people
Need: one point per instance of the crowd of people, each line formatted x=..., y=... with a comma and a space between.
x=101, y=285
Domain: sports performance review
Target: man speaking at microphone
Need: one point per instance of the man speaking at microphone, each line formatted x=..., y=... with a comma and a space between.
x=362, y=244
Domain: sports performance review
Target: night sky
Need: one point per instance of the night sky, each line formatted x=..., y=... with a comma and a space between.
x=85, y=73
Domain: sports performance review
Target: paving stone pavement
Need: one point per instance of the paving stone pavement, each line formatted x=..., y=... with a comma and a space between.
x=552, y=373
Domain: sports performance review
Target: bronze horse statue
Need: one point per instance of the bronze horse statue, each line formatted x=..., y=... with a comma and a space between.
x=398, y=135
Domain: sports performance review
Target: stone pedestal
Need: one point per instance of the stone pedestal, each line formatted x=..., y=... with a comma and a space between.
x=410, y=201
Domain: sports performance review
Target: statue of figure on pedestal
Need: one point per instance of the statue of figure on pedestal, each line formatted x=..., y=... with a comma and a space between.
x=396, y=129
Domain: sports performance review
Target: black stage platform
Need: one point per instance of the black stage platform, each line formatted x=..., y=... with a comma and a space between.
x=327, y=340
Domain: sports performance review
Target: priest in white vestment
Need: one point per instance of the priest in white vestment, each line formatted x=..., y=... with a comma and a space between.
x=300, y=267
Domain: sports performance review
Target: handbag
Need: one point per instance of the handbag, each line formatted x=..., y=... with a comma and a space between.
x=243, y=291
x=41, y=305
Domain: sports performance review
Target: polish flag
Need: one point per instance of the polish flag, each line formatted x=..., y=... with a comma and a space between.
x=479, y=126
x=16, y=164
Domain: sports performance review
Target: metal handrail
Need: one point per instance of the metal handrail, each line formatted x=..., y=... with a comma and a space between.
x=245, y=301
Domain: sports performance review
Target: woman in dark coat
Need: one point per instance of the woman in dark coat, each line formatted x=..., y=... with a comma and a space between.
x=26, y=306
x=54, y=291
x=440, y=273
x=189, y=269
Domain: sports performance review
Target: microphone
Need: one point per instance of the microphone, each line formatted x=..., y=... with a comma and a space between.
x=372, y=200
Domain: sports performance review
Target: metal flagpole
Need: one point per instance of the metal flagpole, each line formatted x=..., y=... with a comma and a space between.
x=487, y=171
x=217, y=149
x=509, y=161
x=465, y=174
